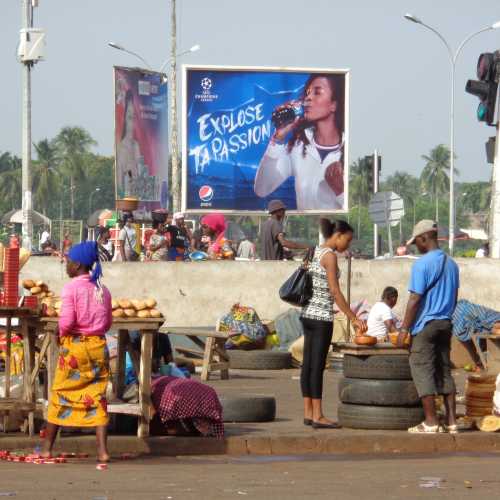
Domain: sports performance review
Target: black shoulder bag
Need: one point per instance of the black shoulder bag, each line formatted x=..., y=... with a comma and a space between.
x=297, y=289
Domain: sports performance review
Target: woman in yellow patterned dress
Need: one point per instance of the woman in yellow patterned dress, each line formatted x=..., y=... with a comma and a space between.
x=78, y=397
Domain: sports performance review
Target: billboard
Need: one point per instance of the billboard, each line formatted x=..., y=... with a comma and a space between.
x=251, y=135
x=141, y=136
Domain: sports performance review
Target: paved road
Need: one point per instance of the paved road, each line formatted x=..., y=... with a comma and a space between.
x=276, y=478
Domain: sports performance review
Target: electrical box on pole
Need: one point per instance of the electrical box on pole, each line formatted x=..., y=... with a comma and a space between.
x=31, y=48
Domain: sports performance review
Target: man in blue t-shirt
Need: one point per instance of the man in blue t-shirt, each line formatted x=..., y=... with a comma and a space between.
x=433, y=291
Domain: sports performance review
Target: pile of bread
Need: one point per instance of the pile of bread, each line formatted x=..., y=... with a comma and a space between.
x=144, y=308
x=48, y=299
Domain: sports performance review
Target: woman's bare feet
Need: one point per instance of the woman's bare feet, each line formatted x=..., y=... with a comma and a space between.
x=324, y=420
x=103, y=458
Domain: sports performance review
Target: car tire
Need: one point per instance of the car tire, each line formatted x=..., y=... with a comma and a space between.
x=395, y=367
x=259, y=360
x=379, y=417
x=248, y=408
x=378, y=392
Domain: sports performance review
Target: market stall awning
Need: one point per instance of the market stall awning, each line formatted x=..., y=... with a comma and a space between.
x=16, y=217
x=476, y=234
x=443, y=233
x=102, y=213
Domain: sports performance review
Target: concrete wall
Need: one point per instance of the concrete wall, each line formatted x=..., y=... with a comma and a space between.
x=196, y=294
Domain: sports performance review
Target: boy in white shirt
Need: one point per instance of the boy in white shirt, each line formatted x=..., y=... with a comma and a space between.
x=381, y=320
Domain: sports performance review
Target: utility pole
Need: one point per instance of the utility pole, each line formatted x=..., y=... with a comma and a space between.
x=376, y=249
x=27, y=207
x=174, y=143
x=495, y=196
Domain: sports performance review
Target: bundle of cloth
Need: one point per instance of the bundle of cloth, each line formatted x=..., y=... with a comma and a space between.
x=246, y=330
x=470, y=318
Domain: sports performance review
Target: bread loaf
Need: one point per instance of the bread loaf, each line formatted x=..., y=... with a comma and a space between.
x=139, y=305
x=114, y=304
x=35, y=290
x=150, y=303
x=144, y=313
x=118, y=313
x=155, y=313
x=125, y=303
x=51, y=312
x=29, y=284
x=130, y=313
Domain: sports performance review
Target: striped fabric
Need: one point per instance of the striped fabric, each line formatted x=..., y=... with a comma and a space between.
x=471, y=318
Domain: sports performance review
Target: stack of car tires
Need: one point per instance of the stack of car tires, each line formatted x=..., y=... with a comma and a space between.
x=377, y=392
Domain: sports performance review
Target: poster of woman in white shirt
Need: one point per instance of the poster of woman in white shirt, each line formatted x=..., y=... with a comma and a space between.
x=308, y=144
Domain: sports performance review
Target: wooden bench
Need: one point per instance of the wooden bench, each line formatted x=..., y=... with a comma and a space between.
x=142, y=364
x=215, y=357
x=490, y=359
x=27, y=328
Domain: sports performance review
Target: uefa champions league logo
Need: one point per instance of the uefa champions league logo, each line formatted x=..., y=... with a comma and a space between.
x=206, y=84
x=206, y=95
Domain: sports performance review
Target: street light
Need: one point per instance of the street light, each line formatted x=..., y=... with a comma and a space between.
x=90, y=199
x=453, y=60
x=173, y=101
x=123, y=49
x=117, y=46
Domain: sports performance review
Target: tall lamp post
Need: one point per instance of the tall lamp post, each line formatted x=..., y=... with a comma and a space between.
x=453, y=60
x=96, y=190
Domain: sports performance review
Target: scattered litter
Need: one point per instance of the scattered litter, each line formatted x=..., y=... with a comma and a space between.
x=295, y=378
x=8, y=494
x=431, y=482
x=102, y=466
x=99, y=498
x=468, y=484
x=242, y=493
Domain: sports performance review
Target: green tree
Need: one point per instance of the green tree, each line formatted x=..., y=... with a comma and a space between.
x=359, y=189
x=475, y=197
x=10, y=182
x=46, y=178
x=74, y=145
x=435, y=175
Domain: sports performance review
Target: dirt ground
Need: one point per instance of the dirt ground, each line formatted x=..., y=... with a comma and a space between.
x=288, y=477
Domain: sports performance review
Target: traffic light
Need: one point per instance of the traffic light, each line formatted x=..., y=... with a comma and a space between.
x=488, y=72
x=369, y=169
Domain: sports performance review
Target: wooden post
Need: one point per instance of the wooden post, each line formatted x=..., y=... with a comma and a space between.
x=52, y=358
x=348, y=297
x=120, y=362
x=8, y=351
x=145, y=383
x=29, y=355
x=207, y=358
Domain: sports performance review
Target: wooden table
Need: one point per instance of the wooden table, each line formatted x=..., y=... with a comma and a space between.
x=215, y=357
x=490, y=360
x=381, y=349
x=142, y=364
x=27, y=329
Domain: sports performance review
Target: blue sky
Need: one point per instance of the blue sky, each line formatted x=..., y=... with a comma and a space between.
x=400, y=92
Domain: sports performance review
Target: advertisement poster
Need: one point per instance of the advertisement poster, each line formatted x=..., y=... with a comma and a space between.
x=141, y=137
x=251, y=135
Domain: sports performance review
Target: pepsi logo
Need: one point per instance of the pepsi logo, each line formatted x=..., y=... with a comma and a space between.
x=206, y=193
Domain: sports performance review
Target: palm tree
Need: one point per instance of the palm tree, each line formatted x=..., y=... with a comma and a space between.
x=359, y=187
x=435, y=175
x=46, y=179
x=408, y=187
x=10, y=181
x=73, y=144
